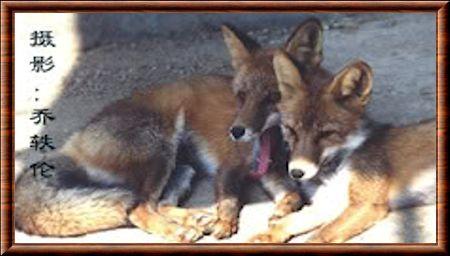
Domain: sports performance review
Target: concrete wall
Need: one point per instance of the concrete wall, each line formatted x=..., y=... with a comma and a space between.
x=105, y=28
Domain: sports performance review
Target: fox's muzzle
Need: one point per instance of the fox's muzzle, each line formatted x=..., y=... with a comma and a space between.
x=249, y=121
x=237, y=132
x=241, y=133
x=301, y=168
x=296, y=174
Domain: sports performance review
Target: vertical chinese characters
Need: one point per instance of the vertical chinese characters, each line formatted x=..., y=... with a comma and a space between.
x=42, y=116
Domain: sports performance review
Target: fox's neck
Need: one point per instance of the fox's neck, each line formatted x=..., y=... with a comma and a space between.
x=368, y=132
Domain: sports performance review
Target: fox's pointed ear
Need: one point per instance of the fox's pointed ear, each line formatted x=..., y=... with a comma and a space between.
x=306, y=43
x=353, y=84
x=236, y=47
x=288, y=76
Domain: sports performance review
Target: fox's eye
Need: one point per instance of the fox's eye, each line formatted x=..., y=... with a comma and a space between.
x=241, y=96
x=289, y=134
x=329, y=137
x=327, y=133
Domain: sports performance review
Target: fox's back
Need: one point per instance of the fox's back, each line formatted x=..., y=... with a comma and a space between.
x=412, y=155
x=207, y=102
x=412, y=147
x=209, y=109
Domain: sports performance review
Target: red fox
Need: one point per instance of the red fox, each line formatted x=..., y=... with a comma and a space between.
x=120, y=166
x=352, y=169
x=257, y=121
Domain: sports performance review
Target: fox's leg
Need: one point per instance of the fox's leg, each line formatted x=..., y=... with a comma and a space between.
x=201, y=218
x=368, y=203
x=293, y=224
x=146, y=215
x=228, y=189
x=148, y=219
x=354, y=220
x=178, y=187
x=284, y=192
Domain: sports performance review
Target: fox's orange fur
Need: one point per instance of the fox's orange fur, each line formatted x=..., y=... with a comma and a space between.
x=357, y=170
x=114, y=170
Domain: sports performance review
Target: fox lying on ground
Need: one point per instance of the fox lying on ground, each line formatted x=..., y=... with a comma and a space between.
x=145, y=149
x=257, y=120
x=352, y=170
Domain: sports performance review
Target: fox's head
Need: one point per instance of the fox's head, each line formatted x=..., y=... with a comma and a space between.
x=321, y=121
x=255, y=84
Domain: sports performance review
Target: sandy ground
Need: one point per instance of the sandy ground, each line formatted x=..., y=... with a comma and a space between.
x=400, y=48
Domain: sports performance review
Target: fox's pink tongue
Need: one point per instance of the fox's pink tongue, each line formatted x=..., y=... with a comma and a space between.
x=263, y=160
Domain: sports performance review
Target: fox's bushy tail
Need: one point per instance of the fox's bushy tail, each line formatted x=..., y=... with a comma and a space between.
x=61, y=205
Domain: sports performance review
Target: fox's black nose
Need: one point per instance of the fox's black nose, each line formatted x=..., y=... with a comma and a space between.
x=296, y=173
x=237, y=132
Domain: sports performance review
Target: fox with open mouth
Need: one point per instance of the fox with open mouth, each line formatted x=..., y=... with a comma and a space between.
x=134, y=159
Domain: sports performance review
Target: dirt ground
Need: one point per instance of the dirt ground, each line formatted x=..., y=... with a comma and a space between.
x=400, y=48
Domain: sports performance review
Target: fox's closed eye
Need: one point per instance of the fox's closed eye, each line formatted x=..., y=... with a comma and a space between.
x=327, y=133
x=241, y=96
x=289, y=132
x=329, y=137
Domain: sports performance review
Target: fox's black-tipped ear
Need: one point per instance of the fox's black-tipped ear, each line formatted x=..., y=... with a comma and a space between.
x=288, y=76
x=237, y=46
x=306, y=43
x=353, y=83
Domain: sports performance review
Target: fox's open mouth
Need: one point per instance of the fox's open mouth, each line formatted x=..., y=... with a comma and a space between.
x=262, y=153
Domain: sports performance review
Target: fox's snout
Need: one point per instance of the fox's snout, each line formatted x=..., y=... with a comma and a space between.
x=240, y=133
x=296, y=173
x=300, y=169
x=237, y=132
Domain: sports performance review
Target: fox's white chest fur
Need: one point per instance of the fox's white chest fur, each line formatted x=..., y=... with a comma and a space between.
x=329, y=199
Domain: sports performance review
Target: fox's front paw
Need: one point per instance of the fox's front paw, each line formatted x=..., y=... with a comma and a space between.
x=322, y=237
x=268, y=237
x=201, y=219
x=159, y=226
x=291, y=202
x=224, y=228
x=184, y=234
x=262, y=238
x=316, y=239
x=171, y=231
